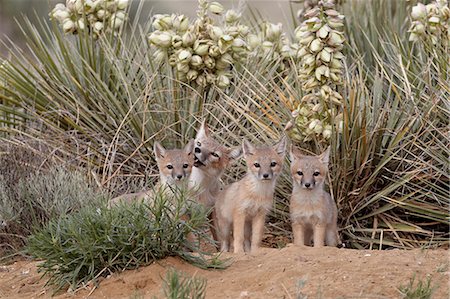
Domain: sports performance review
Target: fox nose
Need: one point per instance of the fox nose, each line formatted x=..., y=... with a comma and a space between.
x=266, y=175
x=307, y=185
x=179, y=176
x=198, y=150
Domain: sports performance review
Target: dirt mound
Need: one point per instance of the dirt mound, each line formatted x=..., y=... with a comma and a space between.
x=272, y=273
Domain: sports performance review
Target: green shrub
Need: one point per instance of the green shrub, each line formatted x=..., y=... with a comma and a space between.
x=97, y=241
x=422, y=290
x=180, y=286
x=33, y=192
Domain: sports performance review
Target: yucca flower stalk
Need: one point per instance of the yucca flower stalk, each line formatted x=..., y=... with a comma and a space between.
x=272, y=44
x=431, y=22
x=95, y=16
x=321, y=41
x=202, y=53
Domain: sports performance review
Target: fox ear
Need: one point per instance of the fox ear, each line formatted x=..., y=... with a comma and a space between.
x=189, y=148
x=247, y=148
x=280, y=147
x=235, y=153
x=159, y=150
x=203, y=132
x=295, y=153
x=325, y=156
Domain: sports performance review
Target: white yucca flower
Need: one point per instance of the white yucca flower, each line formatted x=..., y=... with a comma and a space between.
x=203, y=51
x=95, y=16
x=320, y=42
x=431, y=22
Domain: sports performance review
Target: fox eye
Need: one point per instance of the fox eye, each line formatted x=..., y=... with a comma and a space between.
x=316, y=173
x=169, y=166
x=215, y=155
x=273, y=164
x=185, y=165
x=299, y=172
x=199, y=143
x=257, y=165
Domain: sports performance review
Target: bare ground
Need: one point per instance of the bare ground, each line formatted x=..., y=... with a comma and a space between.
x=272, y=273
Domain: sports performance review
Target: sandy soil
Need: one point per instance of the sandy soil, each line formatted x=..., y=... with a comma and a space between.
x=272, y=273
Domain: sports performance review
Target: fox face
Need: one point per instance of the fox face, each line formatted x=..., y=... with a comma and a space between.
x=175, y=165
x=264, y=163
x=209, y=153
x=309, y=172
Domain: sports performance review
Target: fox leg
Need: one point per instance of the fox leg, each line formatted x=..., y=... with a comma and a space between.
x=299, y=234
x=319, y=234
x=332, y=237
x=247, y=235
x=213, y=226
x=257, y=230
x=223, y=231
x=238, y=231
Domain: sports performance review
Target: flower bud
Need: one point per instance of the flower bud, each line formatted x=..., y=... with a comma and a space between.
x=161, y=39
x=68, y=26
x=216, y=8
x=316, y=45
x=209, y=62
x=188, y=39
x=232, y=16
x=98, y=26
x=184, y=56
x=323, y=32
x=243, y=30
x=325, y=56
x=253, y=41
x=214, y=51
x=273, y=31
x=201, y=80
x=419, y=11
x=215, y=32
x=60, y=14
x=122, y=4
x=223, y=81
x=335, y=39
x=182, y=68
x=191, y=75
x=200, y=48
x=177, y=41
x=101, y=14
x=196, y=61
x=327, y=133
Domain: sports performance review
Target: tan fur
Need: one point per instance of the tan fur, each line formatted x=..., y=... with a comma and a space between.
x=211, y=160
x=244, y=205
x=313, y=212
x=175, y=167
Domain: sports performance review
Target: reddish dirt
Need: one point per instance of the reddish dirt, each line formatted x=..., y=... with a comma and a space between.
x=272, y=273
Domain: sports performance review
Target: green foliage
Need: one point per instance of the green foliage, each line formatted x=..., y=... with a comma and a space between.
x=422, y=290
x=103, y=104
x=180, y=286
x=30, y=197
x=97, y=241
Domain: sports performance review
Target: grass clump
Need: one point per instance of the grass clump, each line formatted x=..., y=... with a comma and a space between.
x=180, y=286
x=422, y=290
x=97, y=241
x=32, y=193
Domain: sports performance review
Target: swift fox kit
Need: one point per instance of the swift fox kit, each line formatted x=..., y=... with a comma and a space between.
x=244, y=205
x=313, y=212
x=211, y=160
x=175, y=166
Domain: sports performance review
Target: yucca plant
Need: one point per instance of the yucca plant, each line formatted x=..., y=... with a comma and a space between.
x=104, y=103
